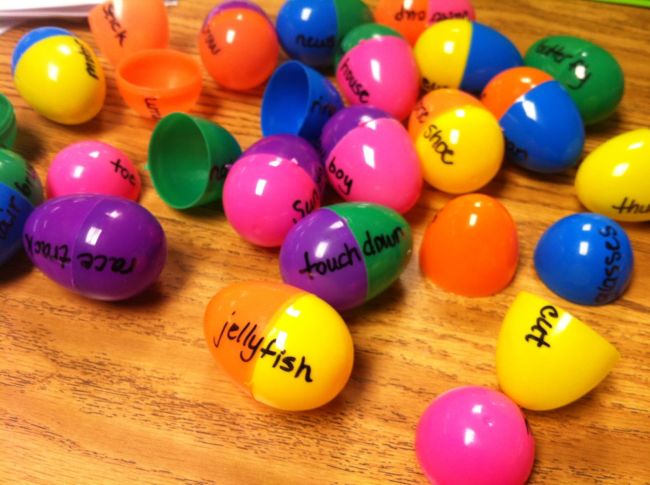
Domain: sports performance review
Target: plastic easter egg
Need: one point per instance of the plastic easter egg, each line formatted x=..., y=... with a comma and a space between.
x=31, y=38
x=376, y=163
x=347, y=253
x=411, y=17
x=436, y=102
x=474, y=436
x=381, y=72
x=310, y=30
x=591, y=75
x=122, y=27
x=296, y=149
x=585, y=258
x=461, y=54
x=547, y=358
x=92, y=167
x=239, y=47
x=288, y=348
x=265, y=195
x=20, y=192
x=614, y=179
x=361, y=33
x=16, y=174
x=102, y=247
x=344, y=121
x=8, y=126
x=60, y=77
x=543, y=129
x=459, y=142
x=14, y=210
x=298, y=100
x=471, y=246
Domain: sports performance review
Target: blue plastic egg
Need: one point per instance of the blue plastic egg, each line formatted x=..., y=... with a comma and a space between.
x=542, y=125
x=310, y=30
x=585, y=258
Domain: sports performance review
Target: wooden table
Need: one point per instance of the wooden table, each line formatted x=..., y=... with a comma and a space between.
x=96, y=392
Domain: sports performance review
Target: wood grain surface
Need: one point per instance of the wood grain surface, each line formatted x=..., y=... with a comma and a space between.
x=94, y=392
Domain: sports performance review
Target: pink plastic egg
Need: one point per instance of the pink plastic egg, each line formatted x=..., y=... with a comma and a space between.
x=265, y=195
x=93, y=167
x=474, y=436
x=376, y=162
x=380, y=72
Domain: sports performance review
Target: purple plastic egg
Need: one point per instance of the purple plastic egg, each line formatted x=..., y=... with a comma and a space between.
x=102, y=247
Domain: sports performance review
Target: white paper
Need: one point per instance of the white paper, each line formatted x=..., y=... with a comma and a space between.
x=22, y=9
x=13, y=12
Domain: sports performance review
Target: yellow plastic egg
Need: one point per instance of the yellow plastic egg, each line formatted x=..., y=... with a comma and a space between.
x=614, y=179
x=288, y=348
x=61, y=78
x=459, y=142
x=547, y=358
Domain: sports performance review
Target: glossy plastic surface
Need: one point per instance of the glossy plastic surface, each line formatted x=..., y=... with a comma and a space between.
x=380, y=72
x=310, y=30
x=14, y=210
x=471, y=246
x=287, y=348
x=490, y=53
x=440, y=10
x=411, y=17
x=8, y=126
x=376, y=163
x=31, y=38
x=158, y=82
x=236, y=4
x=361, y=33
x=122, y=27
x=16, y=174
x=504, y=90
x=435, y=103
x=239, y=47
x=189, y=158
x=346, y=253
x=543, y=128
x=60, y=77
x=474, y=436
x=590, y=74
x=408, y=17
x=298, y=101
x=296, y=149
x=344, y=121
x=92, y=167
x=441, y=54
x=460, y=149
x=546, y=358
x=265, y=195
x=585, y=258
x=102, y=247
x=614, y=179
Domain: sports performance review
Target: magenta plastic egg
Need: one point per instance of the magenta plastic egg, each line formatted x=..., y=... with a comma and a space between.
x=103, y=247
x=474, y=436
x=376, y=162
x=381, y=72
x=93, y=167
x=265, y=195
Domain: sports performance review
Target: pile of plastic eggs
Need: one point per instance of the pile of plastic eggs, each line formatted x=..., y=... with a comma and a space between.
x=425, y=96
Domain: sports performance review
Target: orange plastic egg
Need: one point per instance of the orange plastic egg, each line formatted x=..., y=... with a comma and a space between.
x=239, y=47
x=471, y=246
